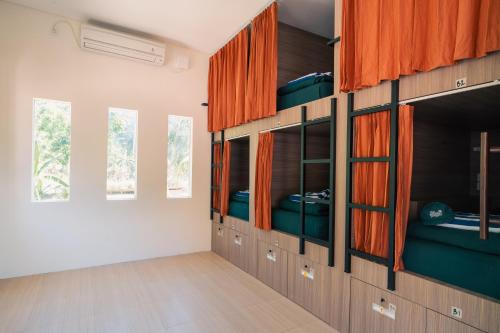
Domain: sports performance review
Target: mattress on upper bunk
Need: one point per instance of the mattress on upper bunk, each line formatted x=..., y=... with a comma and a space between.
x=305, y=89
x=238, y=205
x=457, y=257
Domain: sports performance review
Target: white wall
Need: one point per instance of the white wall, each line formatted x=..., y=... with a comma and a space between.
x=88, y=230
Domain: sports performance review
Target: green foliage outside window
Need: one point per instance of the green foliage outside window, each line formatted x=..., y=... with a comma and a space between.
x=179, y=156
x=51, y=150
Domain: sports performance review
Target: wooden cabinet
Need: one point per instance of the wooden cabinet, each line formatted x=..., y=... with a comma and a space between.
x=239, y=249
x=377, y=311
x=236, y=224
x=272, y=266
x=437, y=323
x=220, y=240
x=309, y=285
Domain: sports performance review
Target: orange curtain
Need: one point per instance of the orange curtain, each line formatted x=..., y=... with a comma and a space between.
x=371, y=182
x=384, y=39
x=263, y=65
x=227, y=75
x=216, y=177
x=263, y=178
x=405, y=169
x=226, y=167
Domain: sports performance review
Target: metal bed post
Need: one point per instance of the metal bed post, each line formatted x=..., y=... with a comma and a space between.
x=212, y=167
x=302, y=179
x=333, y=173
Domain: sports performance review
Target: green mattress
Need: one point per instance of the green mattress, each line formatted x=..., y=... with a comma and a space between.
x=456, y=257
x=304, y=95
x=238, y=209
x=287, y=221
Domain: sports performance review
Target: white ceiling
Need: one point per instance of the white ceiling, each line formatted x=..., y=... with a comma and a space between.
x=204, y=25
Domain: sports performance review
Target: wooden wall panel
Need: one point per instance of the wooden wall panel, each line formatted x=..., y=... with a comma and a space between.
x=478, y=311
x=286, y=166
x=437, y=323
x=313, y=292
x=273, y=272
x=409, y=317
x=440, y=164
x=300, y=53
x=240, y=165
x=476, y=71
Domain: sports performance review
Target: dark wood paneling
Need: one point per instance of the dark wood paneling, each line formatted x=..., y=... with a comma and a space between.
x=300, y=53
x=240, y=165
x=286, y=164
x=440, y=164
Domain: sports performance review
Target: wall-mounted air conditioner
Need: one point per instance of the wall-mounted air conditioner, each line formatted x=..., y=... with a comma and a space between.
x=122, y=45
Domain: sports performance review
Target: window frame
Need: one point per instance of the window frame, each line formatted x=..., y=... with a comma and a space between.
x=136, y=146
x=33, y=136
x=190, y=195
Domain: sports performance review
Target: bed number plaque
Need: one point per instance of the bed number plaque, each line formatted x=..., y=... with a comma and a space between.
x=307, y=273
x=237, y=240
x=460, y=83
x=456, y=312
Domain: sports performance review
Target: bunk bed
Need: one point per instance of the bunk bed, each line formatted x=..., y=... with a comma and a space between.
x=443, y=239
x=239, y=178
x=302, y=189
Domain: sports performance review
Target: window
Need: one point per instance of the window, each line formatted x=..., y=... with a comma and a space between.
x=51, y=150
x=122, y=154
x=179, y=156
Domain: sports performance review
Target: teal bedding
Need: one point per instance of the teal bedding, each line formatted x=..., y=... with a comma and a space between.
x=288, y=221
x=311, y=209
x=238, y=209
x=456, y=257
x=305, y=94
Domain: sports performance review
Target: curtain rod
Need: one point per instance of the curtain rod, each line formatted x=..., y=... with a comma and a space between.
x=279, y=128
x=450, y=92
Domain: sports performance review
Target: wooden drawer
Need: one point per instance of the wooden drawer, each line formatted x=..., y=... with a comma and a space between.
x=236, y=224
x=220, y=237
x=272, y=267
x=309, y=285
x=437, y=323
x=238, y=249
x=377, y=311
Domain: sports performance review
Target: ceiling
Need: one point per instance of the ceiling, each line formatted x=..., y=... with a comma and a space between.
x=204, y=25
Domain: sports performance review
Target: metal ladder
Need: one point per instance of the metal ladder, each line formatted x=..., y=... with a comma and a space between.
x=392, y=107
x=331, y=163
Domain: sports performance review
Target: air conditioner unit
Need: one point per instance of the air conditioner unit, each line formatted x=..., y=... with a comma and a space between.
x=122, y=45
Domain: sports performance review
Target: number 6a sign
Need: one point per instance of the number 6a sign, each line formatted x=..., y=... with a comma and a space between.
x=460, y=83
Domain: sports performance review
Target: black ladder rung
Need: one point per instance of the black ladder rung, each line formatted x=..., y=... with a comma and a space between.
x=369, y=208
x=216, y=165
x=315, y=240
x=215, y=210
x=370, y=257
x=215, y=187
x=318, y=121
x=373, y=109
x=216, y=143
x=317, y=161
x=369, y=159
x=316, y=200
